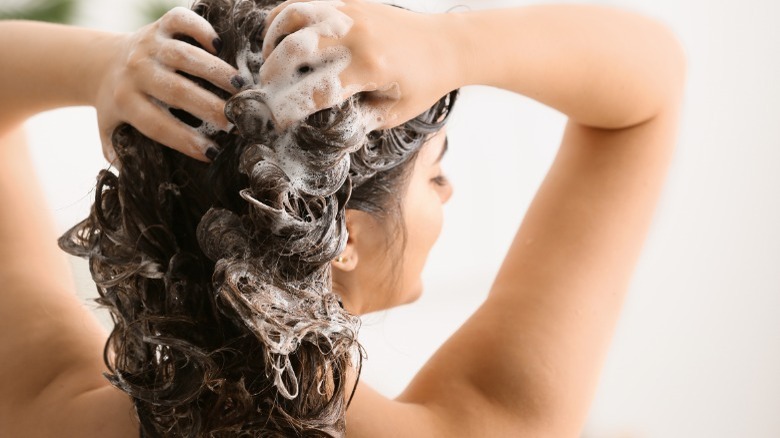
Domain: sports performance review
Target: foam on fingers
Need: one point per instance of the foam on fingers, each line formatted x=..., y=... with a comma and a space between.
x=300, y=77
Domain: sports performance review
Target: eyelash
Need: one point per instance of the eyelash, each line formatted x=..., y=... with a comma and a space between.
x=440, y=180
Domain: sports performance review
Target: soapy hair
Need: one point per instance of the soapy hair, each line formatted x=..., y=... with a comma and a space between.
x=217, y=275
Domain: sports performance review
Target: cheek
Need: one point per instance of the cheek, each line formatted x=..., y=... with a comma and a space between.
x=424, y=229
x=423, y=213
x=435, y=214
x=427, y=225
x=436, y=219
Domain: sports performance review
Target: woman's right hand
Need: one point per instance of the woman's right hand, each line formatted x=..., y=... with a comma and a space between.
x=398, y=57
x=141, y=73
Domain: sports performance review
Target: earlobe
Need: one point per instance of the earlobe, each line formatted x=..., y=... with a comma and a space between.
x=347, y=260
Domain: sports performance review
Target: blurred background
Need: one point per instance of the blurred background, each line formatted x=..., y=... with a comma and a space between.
x=697, y=349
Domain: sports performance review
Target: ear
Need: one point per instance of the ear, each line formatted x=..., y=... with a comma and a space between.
x=355, y=226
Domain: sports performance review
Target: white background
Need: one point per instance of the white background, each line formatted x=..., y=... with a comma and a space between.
x=697, y=348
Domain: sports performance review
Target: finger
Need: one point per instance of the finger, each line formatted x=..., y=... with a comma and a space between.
x=299, y=57
x=274, y=13
x=181, y=20
x=295, y=16
x=162, y=127
x=187, y=58
x=176, y=90
x=300, y=14
x=302, y=79
x=287, y=60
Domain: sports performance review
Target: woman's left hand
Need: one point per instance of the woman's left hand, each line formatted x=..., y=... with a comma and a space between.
x=142, y=73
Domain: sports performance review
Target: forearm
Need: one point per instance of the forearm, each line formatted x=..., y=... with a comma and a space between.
x=601, y=66
x=46, y=66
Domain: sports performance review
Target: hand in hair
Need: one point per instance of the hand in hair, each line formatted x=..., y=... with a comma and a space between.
x=145, y=83
x=395, y=58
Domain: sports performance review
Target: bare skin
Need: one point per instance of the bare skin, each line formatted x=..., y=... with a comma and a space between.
x=364, y=290
x=552, y=309
x=122, y=76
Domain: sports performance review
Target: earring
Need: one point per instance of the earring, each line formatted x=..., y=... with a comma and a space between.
x=340, y=259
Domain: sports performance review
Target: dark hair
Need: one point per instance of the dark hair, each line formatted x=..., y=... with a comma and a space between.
x=217, y=275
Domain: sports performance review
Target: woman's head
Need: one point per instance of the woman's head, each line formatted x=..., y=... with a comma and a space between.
x=220, y=277
x=379, y=270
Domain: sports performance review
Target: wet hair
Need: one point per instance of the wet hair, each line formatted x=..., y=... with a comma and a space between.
x=217, y=275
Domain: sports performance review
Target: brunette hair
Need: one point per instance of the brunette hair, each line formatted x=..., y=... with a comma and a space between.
x=217, y=275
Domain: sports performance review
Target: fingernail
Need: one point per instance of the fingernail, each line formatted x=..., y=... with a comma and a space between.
x=237, y=81
x=217, y=45
x=211, y=153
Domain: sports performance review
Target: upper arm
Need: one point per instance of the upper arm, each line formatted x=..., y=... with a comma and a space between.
x=49, y=341
x=532, y=353
x=372, y=415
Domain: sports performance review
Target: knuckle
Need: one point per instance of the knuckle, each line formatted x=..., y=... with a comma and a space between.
x=298, y=8
x=218, y=111
x=361, y=27
x=136, y=60
x=374, y=64
x=286, y=17
x=290, y=9
x=182, y=87
x=175, y=15
x=175, y=52
x=154, y=129
x=121, y=95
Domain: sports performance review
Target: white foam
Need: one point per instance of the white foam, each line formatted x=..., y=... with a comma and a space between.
x=288, y=92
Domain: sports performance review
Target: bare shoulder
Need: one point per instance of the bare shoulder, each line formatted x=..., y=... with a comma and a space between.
x=112, y=414
x=101, y=412
x=50, y=343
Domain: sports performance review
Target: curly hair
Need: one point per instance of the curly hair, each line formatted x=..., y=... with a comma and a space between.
x=217, y=275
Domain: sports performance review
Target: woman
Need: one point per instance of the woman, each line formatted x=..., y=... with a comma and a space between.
x=525, y=364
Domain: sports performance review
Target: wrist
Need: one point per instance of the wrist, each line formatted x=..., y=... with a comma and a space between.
x=458, y=60
x=103, y=49
x=51, y=65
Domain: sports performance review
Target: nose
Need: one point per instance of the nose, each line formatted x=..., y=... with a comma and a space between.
x=249, y=112
x=448, y=193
